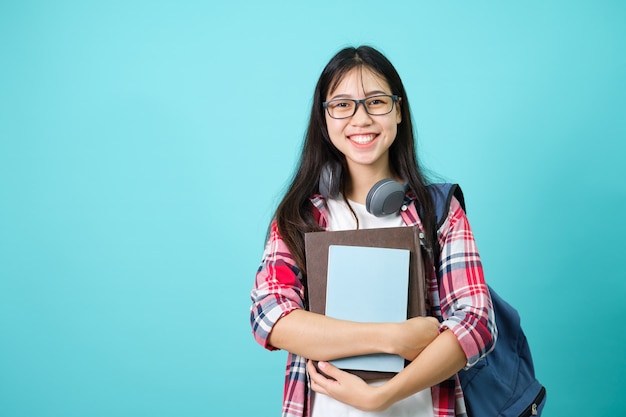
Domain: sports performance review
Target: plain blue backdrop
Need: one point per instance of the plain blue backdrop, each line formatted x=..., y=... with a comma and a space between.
x=145, y=144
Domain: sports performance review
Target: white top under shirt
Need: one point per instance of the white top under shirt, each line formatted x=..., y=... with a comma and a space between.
x=417, y=405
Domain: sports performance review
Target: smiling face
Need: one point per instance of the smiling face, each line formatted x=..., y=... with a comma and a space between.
x=364, y=139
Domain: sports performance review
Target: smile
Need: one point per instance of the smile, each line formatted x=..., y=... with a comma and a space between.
x=362, y=139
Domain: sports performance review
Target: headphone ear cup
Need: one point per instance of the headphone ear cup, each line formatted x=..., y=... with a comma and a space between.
x=330, y=178
x=385, y=197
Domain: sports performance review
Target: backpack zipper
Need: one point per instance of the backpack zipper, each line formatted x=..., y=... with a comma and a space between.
x=531, y=410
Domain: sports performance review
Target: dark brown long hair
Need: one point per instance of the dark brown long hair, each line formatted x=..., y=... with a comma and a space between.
x=294, y=214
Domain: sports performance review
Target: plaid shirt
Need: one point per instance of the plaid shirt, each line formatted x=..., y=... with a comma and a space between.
x=460, y=300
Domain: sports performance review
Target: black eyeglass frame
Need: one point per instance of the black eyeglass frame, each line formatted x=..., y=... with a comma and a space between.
x=394, y=98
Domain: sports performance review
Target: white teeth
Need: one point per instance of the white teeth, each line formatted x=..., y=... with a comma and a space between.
x=362, y=139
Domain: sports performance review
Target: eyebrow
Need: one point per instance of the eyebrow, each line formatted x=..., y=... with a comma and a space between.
x=368, y=94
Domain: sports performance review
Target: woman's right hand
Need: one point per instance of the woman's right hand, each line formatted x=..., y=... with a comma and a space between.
x=410, y=337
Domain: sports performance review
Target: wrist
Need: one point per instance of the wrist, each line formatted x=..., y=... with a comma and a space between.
x=386, y=338
x=380, y=398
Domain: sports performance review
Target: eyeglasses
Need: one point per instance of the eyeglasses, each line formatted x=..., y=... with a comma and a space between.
x=378, y=105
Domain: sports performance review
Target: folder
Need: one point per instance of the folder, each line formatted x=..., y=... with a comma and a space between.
x=317, y=247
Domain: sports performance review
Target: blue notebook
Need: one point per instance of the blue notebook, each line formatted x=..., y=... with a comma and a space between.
x=368, y=284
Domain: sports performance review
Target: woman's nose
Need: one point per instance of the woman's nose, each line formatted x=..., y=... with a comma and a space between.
x=361, y=116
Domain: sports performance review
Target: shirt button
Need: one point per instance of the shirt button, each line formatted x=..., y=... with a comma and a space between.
x=404, y=207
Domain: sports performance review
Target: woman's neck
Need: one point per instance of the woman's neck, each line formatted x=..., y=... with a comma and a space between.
x=361, y=180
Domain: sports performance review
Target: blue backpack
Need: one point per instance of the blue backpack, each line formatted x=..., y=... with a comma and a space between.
x=502, y=384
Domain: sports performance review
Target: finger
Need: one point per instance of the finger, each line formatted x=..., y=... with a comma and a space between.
x=433, y=320
x=317, y=387
x=328, y=369
x=317, y=379
x=313, y=372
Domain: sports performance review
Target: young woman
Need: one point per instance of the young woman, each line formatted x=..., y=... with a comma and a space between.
x=361, y=122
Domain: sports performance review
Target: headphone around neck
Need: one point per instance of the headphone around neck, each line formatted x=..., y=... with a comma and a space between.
x=384, y=198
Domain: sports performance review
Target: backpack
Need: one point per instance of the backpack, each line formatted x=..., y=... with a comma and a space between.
x=503, y=383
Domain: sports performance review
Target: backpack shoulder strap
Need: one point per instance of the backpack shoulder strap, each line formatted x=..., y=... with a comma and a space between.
x=442, y=194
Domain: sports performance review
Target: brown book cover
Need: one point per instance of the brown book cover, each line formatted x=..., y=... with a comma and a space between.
x=316, y=251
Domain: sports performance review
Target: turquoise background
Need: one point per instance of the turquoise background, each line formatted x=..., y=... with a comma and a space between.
x=145, y=144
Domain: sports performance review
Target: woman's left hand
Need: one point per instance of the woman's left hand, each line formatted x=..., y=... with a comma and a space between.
x=345, y=387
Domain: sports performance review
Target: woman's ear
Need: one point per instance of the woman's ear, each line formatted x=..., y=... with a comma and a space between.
x=398, y=111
